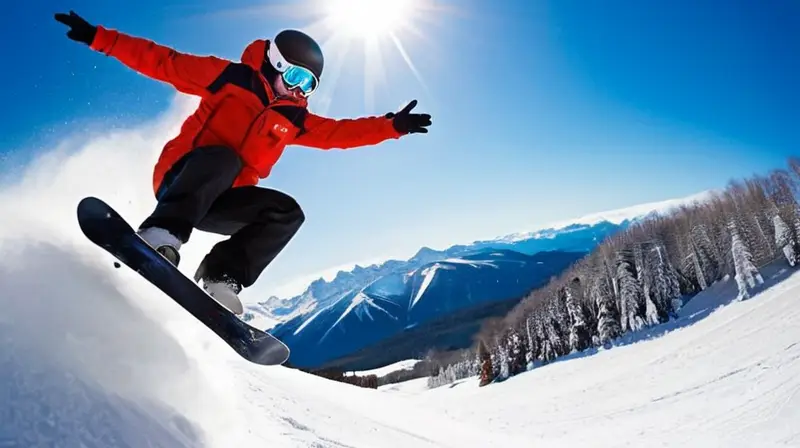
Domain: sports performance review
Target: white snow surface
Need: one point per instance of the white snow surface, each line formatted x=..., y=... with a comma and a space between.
x=94, y=356
x=427, y=277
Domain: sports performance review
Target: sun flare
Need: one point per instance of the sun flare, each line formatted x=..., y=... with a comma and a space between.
x=370, y=19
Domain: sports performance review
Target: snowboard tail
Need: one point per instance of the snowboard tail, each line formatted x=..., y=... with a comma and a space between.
x=106, y=228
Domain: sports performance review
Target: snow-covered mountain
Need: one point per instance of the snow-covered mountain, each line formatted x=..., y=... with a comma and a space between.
x=402, y=314
x=322, y=293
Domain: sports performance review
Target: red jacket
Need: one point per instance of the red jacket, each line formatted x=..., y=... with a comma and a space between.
x=238, y=107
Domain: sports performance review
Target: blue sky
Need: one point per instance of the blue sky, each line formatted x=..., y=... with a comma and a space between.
x=542, y=111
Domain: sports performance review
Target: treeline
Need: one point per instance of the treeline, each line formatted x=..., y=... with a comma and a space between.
x=422, y=369
x=640, y=277
x=368, y=381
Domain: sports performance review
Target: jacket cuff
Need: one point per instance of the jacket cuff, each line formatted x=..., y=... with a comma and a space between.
x=104, y=40
x=391, y=131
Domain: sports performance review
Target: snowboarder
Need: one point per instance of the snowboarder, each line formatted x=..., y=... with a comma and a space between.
x=206, y=177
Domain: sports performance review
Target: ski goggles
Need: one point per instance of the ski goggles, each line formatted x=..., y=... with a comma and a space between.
x=293, y=76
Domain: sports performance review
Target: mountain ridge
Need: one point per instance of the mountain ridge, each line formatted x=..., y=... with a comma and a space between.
x=321, y=292
x=596, y=226
x=405, y=311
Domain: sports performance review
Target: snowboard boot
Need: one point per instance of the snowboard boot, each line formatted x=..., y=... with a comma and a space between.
x=222, y=288
x=163, y=242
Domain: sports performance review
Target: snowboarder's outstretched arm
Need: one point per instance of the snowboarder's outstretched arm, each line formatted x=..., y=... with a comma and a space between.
x=327, y=133
x=187, y=73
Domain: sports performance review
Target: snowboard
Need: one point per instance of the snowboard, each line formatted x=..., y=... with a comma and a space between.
x=106, y=228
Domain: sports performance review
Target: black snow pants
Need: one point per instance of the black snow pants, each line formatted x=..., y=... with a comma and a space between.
x=197, y=193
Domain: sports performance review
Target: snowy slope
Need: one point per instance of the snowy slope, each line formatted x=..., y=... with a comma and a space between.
x=731, y=378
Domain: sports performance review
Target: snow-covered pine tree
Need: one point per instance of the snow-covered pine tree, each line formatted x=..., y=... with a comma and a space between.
x=692, y=265
x=608, y=268
x=530, y=353
x=784, y=239
x=608, y=327
x=651, y=311
x=549, y=348
x=631, y=296
x=504, y=360
x=517, y=351
x=485, y=360
x=665, y=287
x=579, y=339
x=746, y=204
x=556, y=324
x=762, y=227
x=752, y=236
x=746, y=272
x=707, y=253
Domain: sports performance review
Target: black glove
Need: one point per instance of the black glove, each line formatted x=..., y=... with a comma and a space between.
x=408, y=123
x=80, y=30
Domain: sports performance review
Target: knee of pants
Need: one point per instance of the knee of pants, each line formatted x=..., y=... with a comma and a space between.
x=297, y=215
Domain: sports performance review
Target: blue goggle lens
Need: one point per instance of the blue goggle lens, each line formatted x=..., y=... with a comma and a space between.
x=296, y=76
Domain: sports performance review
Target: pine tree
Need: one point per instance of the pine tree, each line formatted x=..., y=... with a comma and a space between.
x=517, y=351
x=557, y=322
x=501, y=359
x=608, y=327
x=746, y=272
x=549, y=347
x=485, y=360
x=579, y=339
x=707, y=253
x=784, y=239
x=693, y=266
x=533, y=342
x=665, y=289
x=631, y=300
x=761, y=226
x=651, y=311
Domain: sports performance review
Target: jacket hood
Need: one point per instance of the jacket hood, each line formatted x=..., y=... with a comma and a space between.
x=255, y=53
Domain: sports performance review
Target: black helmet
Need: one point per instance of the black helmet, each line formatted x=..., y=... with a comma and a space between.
x=299, y=48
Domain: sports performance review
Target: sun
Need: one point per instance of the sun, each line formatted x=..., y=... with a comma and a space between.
x=370, y=19
x=377, y=28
